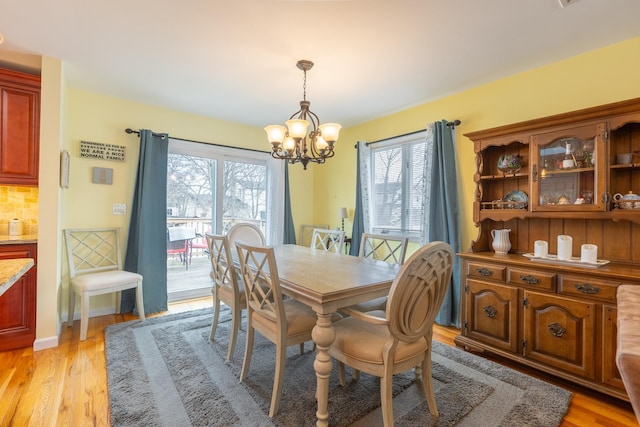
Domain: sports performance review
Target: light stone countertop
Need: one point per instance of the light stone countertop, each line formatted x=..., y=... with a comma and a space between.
x=11, y=270
x=15, y=240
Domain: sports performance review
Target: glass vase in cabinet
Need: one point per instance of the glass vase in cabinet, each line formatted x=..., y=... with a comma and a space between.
x=567, y=169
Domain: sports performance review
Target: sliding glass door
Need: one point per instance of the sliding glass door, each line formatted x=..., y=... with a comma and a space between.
x=209, y=189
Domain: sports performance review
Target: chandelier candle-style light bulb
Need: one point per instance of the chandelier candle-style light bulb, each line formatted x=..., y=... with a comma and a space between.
x=304, y=139
x=289, y=144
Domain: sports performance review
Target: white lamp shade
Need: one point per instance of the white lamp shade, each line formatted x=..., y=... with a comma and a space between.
x=275, y=133
x=321, y=144
x=342, y=213
x=289, y=144
x=297, y=128
x=330, y=131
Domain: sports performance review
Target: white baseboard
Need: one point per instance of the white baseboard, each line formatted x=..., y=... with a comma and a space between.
x=45, y=343
x=189, y=294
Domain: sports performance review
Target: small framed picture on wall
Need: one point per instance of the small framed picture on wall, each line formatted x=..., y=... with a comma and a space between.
x=64, y=169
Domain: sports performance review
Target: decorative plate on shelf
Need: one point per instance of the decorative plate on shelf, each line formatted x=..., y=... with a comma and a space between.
x=518, y=198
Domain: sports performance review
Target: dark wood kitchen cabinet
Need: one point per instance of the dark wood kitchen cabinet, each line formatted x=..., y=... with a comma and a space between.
x=18, y=303
x=19, y=127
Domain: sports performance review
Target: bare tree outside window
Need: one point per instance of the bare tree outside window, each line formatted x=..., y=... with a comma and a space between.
x=190, y=190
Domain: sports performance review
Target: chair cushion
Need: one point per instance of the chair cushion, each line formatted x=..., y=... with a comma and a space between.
x=105, y=279
x=300, y=318
x=363, y=341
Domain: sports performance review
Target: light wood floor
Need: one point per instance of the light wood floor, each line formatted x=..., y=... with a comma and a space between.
x=67, y=385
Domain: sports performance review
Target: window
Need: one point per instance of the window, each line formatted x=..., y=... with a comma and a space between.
x=219, y=186
x=397, y=187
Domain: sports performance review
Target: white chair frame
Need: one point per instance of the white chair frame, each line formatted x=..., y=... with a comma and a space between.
x=328, y=240
x=95, y=268
x=306, y=233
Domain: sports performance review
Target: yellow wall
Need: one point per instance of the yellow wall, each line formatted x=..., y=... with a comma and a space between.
x=70, y=115
x=102, y=118
x=598, y=77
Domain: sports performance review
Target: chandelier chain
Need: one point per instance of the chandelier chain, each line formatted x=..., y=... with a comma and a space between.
x=304, y=86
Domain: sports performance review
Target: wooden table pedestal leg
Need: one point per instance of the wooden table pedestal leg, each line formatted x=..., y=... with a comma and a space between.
x=323, y=335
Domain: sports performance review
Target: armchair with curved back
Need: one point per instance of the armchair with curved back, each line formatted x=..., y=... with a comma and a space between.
x=246, y=232
x=285, y=322
x=385, y=343
x=226, y=287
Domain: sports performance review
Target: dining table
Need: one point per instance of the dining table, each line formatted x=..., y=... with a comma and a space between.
x=327, y=282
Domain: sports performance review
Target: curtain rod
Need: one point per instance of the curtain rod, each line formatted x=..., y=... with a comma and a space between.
x=451, y=124
x=137, y=132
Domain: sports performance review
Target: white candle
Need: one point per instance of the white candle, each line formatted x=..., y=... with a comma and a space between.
x=565, y=247
x=540, y=248
x=589, y=253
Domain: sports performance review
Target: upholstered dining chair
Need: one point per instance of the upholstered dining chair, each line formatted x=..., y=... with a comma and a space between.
x=246, y=232
x=388, y=342
x=382, y=247
x=327, y=240
x=285, y=322
x=306, y=233
x=95, y=268
x=226, y=287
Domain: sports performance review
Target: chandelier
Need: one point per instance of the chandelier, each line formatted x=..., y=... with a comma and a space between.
x=292, y=143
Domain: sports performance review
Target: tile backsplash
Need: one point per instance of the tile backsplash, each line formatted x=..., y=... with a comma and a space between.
x=21, y=203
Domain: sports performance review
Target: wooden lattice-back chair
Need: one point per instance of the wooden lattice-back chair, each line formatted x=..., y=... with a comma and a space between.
x=95, y=268
x=226, y=287
x=388, y=342
x=381, y=247
x=270, y=314
x=327, y=240
x=306, y=233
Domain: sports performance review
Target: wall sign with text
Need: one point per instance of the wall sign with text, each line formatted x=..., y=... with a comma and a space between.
x=98, y=150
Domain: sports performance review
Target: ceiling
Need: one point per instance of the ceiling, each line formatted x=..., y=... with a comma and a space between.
x=236, y=59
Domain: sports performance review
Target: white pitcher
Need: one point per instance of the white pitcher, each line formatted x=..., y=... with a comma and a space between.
x=501, y=243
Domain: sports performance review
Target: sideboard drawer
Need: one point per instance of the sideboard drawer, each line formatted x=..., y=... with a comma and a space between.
x=588, y=287
x=486, y=271
x=534, y=279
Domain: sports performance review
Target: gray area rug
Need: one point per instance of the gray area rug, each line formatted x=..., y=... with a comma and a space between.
x=165, y=372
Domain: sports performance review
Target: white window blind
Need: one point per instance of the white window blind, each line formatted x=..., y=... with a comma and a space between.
x=397, y=186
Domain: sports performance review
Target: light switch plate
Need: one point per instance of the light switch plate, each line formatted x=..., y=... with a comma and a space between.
x=119, y=209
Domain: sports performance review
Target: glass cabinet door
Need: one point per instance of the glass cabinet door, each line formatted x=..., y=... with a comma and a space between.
x=567, y=169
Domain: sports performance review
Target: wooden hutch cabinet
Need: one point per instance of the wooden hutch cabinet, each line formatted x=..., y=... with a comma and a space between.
x=575, y=177
x=19, y=127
